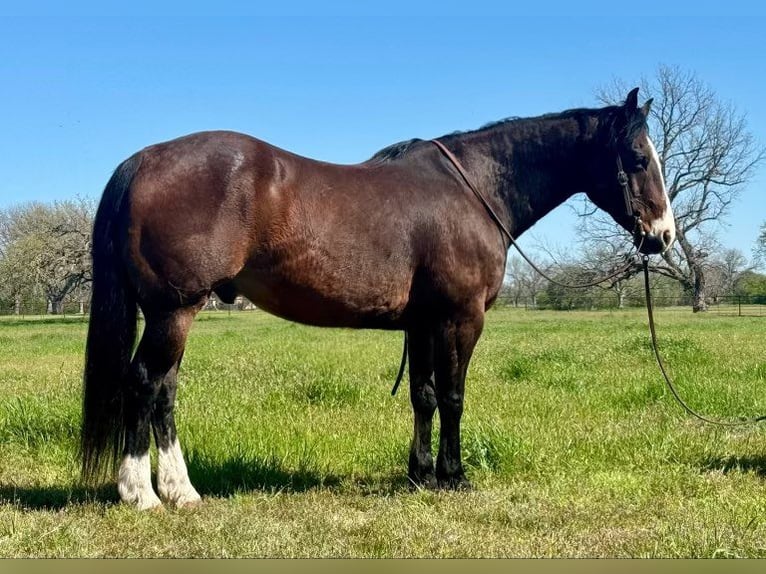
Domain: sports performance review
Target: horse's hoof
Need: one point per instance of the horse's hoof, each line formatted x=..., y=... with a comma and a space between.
x=189, y=504
x=423, y=481
x=459, y=483
x=151, y=503
x=188, y=499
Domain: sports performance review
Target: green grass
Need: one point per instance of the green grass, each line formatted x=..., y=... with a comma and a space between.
x=293, y=439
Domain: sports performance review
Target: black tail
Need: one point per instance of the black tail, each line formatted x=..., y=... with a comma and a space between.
x=111, y=331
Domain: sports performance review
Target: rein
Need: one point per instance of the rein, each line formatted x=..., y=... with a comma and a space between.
x=622, y=178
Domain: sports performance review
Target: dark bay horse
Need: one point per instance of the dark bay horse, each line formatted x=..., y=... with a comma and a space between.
x=397, y=242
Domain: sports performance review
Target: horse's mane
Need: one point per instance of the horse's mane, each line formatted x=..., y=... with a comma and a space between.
x=394, y=151
x=610, y=115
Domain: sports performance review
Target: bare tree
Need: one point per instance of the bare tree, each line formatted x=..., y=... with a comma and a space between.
x=514, y=284
x=46, y=247
x=707, y=154
x=610, y=255
x=522, y=283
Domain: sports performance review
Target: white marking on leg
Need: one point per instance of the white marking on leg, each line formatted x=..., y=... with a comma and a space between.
x=667, y=222
x=134, y=482
x=172, y=477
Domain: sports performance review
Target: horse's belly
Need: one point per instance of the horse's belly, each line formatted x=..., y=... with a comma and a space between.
x=326, y=298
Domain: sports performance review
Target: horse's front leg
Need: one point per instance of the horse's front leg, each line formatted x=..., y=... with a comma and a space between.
x=423, y=398
x=454, y=342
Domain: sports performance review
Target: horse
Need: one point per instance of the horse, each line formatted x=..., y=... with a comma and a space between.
x=397, y=242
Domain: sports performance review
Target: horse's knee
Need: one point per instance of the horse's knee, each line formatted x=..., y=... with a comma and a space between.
x=423, y=398
x=142, y=384
x=451, y=403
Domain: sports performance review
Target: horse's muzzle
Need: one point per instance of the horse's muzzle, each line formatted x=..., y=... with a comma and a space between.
x=652, y=244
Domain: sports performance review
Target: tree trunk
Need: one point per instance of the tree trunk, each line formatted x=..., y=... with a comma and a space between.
x=56, y=306
x=698, y=304
x=695, y=260
x=17, y=305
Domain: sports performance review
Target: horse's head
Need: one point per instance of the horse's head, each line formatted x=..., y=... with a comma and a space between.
x=631, y=186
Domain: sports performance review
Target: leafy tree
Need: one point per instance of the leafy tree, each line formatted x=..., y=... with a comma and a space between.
x=46, y=248
x=752, y=285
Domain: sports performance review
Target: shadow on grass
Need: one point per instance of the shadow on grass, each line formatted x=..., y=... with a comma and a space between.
x=226, y=477
x=56, y=497
x=755, y=464
x=238, y=475
x=216, y=479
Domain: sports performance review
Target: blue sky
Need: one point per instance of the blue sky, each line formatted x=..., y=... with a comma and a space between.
x=84, y=85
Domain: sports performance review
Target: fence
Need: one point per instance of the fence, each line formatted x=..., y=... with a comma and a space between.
x=38, y=308
x=741, y=306
x=730, y=305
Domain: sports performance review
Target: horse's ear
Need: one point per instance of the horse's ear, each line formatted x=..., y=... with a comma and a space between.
x=646, y=108
x=631, y=102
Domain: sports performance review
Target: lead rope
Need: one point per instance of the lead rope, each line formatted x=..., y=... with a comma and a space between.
x=459, y=167
x=668, y=382
x=649, y=309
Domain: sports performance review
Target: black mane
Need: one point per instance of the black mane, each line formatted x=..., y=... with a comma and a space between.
x=394, y=151
x=610, y=114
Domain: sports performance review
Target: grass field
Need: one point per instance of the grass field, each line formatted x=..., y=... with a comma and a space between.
x=293, y=439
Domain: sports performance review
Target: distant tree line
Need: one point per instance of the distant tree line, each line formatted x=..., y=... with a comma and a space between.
x=729, y=276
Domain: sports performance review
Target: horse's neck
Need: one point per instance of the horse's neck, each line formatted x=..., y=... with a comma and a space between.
x=528, y=167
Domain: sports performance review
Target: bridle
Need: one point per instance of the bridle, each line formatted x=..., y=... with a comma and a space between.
x=628, y=196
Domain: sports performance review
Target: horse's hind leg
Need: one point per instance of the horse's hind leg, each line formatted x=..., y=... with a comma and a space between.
x=423, y=398
x=173, y=481
x=154, y=365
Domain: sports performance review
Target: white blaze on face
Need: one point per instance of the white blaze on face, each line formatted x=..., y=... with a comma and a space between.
x=666, y=222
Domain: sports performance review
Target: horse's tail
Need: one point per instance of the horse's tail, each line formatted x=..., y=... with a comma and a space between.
x=111, y=331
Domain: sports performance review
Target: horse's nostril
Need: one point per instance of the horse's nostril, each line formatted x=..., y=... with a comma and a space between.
x=667, y=237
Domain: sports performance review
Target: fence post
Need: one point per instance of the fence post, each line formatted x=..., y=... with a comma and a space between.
x=739, y=305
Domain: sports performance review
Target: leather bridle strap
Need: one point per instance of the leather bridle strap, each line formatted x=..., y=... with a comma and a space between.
x=461, y=170
x=622, y=179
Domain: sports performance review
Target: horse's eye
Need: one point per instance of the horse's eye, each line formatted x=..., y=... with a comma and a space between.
x=642, y=161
